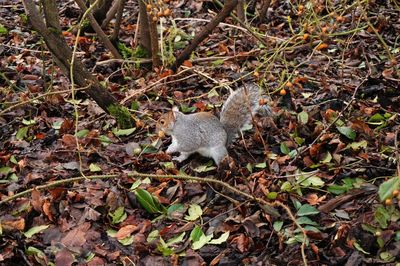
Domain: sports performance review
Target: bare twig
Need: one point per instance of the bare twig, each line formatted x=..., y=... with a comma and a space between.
x=103, y=37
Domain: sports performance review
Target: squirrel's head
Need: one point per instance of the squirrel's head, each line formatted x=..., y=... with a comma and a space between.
x=166, y=122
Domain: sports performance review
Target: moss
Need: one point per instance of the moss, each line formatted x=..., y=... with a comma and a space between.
x=122, y=115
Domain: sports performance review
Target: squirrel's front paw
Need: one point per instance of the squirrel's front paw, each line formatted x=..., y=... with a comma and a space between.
x=183, y=156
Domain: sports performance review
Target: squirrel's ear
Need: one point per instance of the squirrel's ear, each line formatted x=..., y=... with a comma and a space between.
x=175, y=111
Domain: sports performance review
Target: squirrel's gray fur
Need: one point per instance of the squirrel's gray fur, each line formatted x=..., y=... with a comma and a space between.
x=205, y=133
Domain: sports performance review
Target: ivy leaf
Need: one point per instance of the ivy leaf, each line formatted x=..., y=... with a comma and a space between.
x=284, y=148
x=203, y=240
x=386, y=188
x=22, y=133
x=347, y=131
x=194, y=211
x=302, y=117
x=306, y=210
x=196, y=233
x=220, y=239
x=94, y=168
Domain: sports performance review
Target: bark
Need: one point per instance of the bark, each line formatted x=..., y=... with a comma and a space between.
x=225, y=12
x=100, y=13
x=144, y=29
x=110, y=14
x=62, y=54
x=155, y=58
x=118, y=19
x=264, y=8
x=240, y=10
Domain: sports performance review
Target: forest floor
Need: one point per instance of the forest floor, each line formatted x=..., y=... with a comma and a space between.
x=317, y=182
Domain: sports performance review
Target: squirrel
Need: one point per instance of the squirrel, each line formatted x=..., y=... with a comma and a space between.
x=203, y=132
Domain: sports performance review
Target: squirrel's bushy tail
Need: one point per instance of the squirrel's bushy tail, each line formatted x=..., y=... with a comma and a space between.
x=237, y=109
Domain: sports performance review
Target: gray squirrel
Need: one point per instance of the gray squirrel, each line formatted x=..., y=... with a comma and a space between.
x=203, y=132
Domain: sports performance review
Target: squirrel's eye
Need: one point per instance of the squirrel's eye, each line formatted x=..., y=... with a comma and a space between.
x=162, y=122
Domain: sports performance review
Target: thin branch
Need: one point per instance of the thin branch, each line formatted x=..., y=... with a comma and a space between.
x=102, y=36
x=118, y=19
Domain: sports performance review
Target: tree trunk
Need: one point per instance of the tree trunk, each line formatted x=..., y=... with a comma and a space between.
x=63, y=55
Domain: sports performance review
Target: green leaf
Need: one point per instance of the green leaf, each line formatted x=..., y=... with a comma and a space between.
x=376, y=118
x=261, y=165
x=164, y=249
x=22, y=133
x=194, y=212
x=196, y=233
x=3, y=30
x=359, y=248
x=5, y=170
x=57, y=125
x=278, y=225
x=302, y=117
x=306, y=180
x=123, y=132
x=82, y=133
x=347, y=131
x=306, y=220
x=35, y=230
x=35, y=251
x=218, y=62
x=148, y=201
x=357, y=145
x=176, y=239
x=203, y=240
x=175, y=208
x=286, y=186
x=382, y=216
x=126, y=241
x=118, y=215
x=94, y=168
x=284, y=148
x=307, y=209
x=220, y=239
x=104, y=140
x=386, y=188
x=13, y=159
x=205, y=167
x=153, y=236
x=272, y=195
x=111, y=232
x=28, y=122
x=337, y=190
x=327, y=159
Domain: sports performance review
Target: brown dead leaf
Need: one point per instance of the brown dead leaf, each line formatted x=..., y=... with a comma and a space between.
x=187, y=63
x=47, y=210
x=362, y=127
x=64, y=257
x=9, y=223
x=36, y=201
x=67, y=126
x=69, y=141
x=313, y=199
x=242, y=243
x=76, y=237
x=315, y=149
x=125, y=231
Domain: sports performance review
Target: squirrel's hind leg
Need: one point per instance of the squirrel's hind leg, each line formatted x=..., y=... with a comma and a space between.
x=218, y=153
